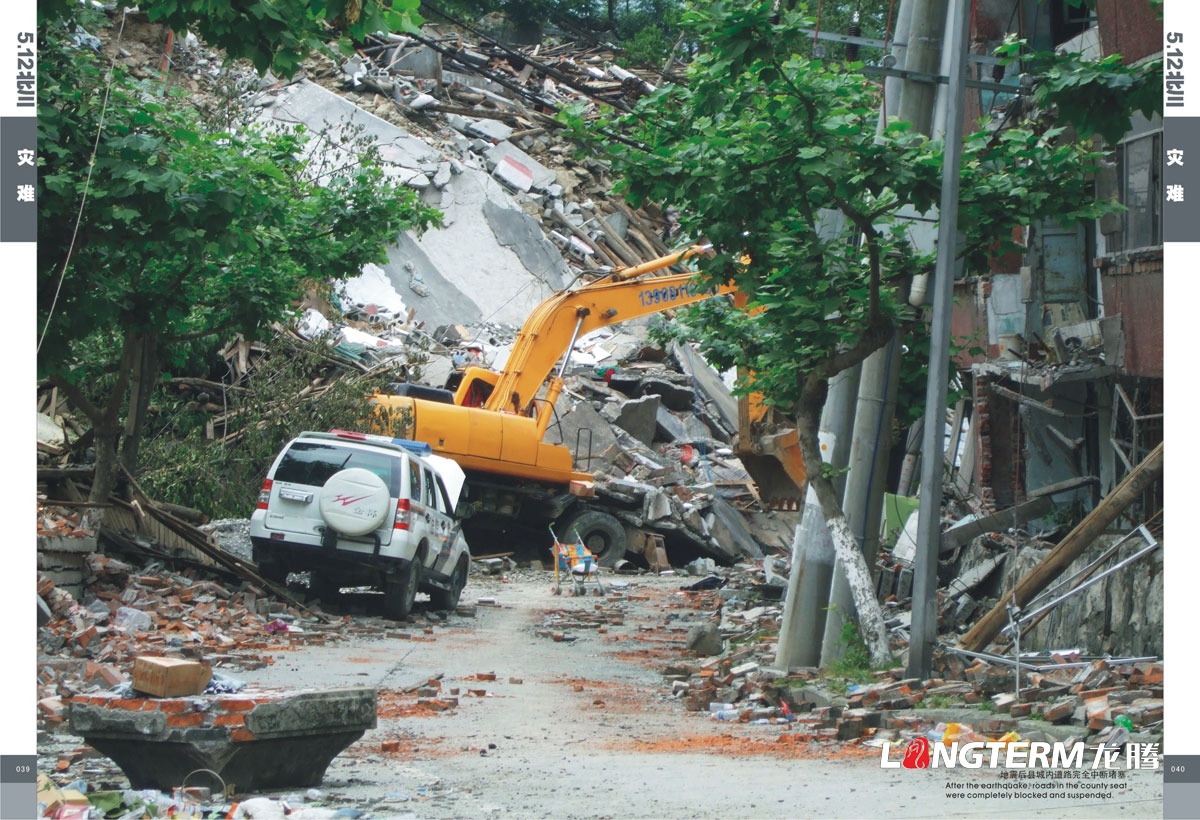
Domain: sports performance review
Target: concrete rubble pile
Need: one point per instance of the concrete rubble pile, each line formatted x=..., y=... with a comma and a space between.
x=90, y=646
x=85, y=649
x=728, y=673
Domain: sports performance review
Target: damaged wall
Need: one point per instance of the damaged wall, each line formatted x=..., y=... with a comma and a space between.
x=1121, y=615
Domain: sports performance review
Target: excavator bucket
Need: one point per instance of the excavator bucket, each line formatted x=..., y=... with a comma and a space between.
x=771, y=456
x=777, y=469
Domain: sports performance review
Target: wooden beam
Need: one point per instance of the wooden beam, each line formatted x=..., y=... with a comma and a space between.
x=1020, y=399
x=1070, y=548
x=1064, y=486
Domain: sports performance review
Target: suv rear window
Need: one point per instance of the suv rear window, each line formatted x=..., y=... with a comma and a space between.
x=313, y=463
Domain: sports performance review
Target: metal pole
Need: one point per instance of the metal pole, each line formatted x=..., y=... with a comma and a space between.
x=1096, y=579
x=924, y=615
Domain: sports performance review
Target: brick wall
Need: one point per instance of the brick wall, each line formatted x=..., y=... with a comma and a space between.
x=1132, y=287
x=1129, y=28
x=981, y=428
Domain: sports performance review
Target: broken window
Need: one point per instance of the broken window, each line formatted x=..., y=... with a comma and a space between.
x=1136, y=429
x=1136, y=182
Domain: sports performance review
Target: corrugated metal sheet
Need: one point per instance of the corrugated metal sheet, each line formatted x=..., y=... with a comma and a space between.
x=119, y=518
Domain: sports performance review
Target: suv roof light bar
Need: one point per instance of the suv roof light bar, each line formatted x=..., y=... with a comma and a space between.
x=419, y=448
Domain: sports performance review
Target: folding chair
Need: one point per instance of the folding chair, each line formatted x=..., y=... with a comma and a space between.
x=576, y=562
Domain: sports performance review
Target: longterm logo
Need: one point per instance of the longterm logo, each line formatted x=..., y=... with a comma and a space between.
x=921, y=754
x=346, y=502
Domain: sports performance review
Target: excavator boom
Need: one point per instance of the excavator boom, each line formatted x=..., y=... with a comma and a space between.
x=497, y=421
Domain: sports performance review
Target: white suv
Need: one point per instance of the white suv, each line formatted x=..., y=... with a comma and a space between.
x=354, y=509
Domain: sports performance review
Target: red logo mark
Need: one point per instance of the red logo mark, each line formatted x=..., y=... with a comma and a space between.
x=916, y=755
x=346, y=502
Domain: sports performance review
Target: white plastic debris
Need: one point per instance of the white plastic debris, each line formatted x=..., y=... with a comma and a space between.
x=312, y=324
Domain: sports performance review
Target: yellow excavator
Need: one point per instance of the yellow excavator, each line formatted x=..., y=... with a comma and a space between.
x=494, y=423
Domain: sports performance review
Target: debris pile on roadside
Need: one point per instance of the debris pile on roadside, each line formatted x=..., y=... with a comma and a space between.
x=134, y=612
x=724, y=668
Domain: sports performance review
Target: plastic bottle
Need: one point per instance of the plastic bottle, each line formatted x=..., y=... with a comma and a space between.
x=1124, y=722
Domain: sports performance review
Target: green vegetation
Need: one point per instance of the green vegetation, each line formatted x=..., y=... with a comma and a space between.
x=938, y=702
x=180, y=465
x=855, y=665
x=161, y=237
x=277, y=35
x=776, y=159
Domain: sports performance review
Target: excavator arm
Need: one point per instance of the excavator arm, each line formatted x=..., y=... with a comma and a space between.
x=507, y=421
x=551, y=331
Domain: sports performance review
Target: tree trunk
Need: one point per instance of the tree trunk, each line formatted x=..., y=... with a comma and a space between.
x=104, y=479
x=142, y=378
x=106, y=430
x=858, y=574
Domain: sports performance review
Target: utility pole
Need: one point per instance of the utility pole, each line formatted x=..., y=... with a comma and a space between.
x=813, y=554
x=924, y=21
x=924, y=605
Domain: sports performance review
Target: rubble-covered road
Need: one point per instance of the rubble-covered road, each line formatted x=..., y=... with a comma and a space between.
x=545, y=706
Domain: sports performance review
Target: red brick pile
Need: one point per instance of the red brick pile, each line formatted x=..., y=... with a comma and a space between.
x=90, y=649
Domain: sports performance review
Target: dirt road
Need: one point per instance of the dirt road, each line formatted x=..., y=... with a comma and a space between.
x=585, y=727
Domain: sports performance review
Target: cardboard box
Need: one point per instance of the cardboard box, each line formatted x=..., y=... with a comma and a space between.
x=49, y=796
x=170, y=677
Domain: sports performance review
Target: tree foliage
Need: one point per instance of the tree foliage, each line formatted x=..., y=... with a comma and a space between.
x=184, y=234
x=1097, y=97
x=181, y=465
x=777, y=159
x=275, y=34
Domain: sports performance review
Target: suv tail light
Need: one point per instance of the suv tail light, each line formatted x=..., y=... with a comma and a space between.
x=403, y=514
x=264, y=495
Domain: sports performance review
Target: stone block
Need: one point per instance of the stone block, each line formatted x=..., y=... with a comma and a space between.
x=639, y=418
x=284, y=739
x=849, y=728
x=705, y=639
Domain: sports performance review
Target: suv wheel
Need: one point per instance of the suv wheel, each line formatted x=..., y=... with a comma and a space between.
x=400, y=591
x=448, y=598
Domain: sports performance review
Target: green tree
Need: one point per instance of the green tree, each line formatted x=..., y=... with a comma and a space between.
x=275, y=34
x=775, y=158
x=156, y=233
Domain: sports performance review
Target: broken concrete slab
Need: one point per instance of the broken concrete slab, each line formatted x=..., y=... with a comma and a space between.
x=255, y=739
x=729, y=530
x=681, y=427
x=491, y=130
x=710, y=385
x=583, y=430
x=500, y=267
x=638, y=417
x=540, y=177
x=678, y=397
x=962, y=533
